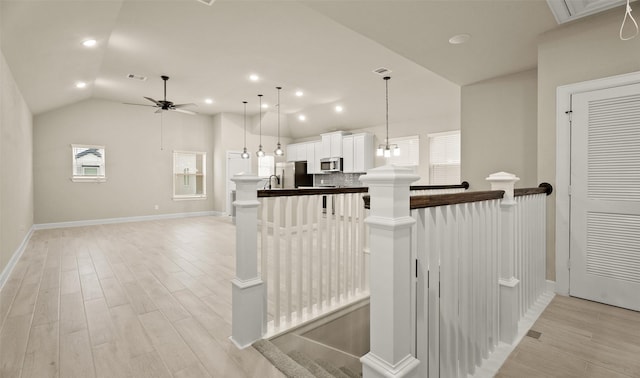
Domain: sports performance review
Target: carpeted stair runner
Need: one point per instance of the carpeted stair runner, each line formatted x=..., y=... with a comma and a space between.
x=310, y=365
x=298, y=365
x=334, y=371
x=279, y=359
x=349, y=373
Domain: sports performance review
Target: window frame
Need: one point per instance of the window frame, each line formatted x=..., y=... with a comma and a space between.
x=444, y=164
x=201, y=173
x=75, y=177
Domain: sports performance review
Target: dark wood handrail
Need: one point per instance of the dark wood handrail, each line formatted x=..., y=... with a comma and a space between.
x=542, y=188
x=418, y=202
x=326, y=191
x=308, y=192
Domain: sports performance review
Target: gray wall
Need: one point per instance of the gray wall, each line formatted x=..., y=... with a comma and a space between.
x=499, y=121
x=16, y=178
x=580, y=51
x=139, y=172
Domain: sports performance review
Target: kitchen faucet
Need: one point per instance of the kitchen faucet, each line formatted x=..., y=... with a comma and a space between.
x=268, y=184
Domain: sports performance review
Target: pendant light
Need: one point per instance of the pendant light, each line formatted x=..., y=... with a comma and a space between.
x=278, y=151
x=387, y=149
x=260, y=153
x=245, y=154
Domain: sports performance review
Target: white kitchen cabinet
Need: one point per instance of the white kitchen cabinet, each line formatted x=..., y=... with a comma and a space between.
x=347, y=154
x=313, y=165
x=357, y=153
x=332, y=144
x=296, y=152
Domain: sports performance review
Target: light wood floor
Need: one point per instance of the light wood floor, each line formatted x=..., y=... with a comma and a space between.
x=153, y=299
x=148, y=299
x=579, y=338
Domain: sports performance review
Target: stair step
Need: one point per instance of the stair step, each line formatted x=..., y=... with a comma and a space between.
x=334, y=371
x=279, y=359
x=349, y=373
x=310, y=365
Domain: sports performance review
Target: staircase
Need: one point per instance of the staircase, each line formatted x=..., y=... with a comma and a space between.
x=296, y=364
x=328, y=347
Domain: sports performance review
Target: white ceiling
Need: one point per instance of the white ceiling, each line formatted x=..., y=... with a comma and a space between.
x=328, y=49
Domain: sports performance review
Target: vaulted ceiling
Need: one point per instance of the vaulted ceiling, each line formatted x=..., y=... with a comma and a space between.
x=327, y=49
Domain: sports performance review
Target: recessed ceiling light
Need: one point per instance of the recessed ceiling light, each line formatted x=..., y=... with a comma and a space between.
x=264, y=106
x=339, y=108
x=299, y=93
x=459, y=39
x=208, y=101
x=89, y=43
x=302, y=117
x=81, y=84
x=254, y=77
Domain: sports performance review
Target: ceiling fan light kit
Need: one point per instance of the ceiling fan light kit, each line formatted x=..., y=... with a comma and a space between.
x=165, y=104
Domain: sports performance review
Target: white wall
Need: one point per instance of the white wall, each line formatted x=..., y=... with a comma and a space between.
x=16, y=173
x=139, y=172
x=499, y=129
x=583, y=50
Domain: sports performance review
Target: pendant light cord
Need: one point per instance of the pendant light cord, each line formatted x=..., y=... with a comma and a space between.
x=260, y=119
x=627, y=13
x=386, y=83
x=278, y=88
x=245, y=125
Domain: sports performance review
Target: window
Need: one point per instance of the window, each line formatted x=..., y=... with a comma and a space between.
x=266, y=166
x=409, y=151
x=444, y=158
x=88, y=163
x=189, y=175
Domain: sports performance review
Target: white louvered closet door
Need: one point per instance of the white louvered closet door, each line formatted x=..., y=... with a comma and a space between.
x=605, y=196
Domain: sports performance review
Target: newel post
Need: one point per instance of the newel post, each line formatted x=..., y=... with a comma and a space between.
x=390, y=273
x=509, y=299
x=247, y=287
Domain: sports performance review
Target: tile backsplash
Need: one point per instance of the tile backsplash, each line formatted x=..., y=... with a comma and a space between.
x=338, y=179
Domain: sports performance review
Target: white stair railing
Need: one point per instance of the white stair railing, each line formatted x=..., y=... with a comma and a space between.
x=312, y=254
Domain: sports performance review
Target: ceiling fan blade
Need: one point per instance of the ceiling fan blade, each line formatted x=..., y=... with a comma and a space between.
x=183, y=105
x=130, y=103
x=159, y=110
x=152, y=100
x=184, y=111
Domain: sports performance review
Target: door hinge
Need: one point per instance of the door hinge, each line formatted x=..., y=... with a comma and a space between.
x=569, y=264
x=416, y=268
x=570, y=114
x=569, y=190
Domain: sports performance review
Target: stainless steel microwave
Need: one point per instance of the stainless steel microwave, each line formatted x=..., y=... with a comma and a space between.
x=331, y=164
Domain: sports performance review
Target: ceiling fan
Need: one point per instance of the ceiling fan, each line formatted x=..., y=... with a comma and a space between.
x=165, y=104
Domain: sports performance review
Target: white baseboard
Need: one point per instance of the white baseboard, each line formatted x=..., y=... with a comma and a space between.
x=93, y=222
x=6, y=272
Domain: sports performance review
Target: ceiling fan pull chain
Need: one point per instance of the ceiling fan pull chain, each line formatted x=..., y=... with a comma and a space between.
x=627, y=13
x=161, y=133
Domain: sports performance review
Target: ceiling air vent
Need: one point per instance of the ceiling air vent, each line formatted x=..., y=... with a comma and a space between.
x=137, y=77
x=382, y=71
x=569, y=10
x=208, y=2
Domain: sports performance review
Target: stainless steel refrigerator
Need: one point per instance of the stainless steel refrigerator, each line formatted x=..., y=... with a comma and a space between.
x=292, y=175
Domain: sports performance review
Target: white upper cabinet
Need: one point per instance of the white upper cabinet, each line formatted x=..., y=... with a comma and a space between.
x=332, y=144
x=296, y=152
x=357, y=153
